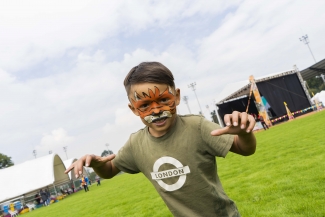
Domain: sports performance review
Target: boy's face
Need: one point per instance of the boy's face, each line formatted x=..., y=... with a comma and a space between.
x=155, y=104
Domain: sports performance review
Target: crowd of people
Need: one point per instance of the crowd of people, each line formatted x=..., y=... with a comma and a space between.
x=43, y=197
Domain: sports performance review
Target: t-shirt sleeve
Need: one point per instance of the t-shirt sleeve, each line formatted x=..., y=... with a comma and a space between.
x=124, y=160
x=216, y=145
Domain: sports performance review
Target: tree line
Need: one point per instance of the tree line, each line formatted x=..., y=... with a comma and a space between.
x=5, y=161
x=315, y=84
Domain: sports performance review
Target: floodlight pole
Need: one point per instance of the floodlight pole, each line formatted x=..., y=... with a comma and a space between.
x=185, y=98
x=107, y=146
x=305, y=40
x=217, y=113
x=192, y=86
x=207, y=106
x=65, y=150
x=34, y=153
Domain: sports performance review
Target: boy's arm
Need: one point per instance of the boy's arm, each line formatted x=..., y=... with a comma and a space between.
x=241, y=125
x=103, y=166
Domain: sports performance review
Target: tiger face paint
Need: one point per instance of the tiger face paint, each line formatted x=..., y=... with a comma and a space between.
x=155, y=105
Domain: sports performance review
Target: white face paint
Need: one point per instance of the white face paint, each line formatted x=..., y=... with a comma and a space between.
x=180, y=171
x=151, y=118
x=136, y=97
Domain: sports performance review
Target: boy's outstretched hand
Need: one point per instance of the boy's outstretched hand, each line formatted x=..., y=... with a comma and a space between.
x=102, y=165
x=240, y=124
x=237, y=123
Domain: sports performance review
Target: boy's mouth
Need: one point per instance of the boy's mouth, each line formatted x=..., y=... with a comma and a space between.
x=160, y=121
x=158, y=118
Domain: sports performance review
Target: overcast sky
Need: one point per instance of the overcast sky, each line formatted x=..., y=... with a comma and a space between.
x=62, y=63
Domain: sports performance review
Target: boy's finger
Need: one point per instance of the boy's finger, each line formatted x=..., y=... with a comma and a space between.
x=251, y=125
x=78, y=169
x=243, y=120
x=88, y=160
x=227, y=120
x=69, y=168
x=219, y=132
x=234, y=117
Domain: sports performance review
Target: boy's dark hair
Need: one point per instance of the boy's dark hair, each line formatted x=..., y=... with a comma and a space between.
x=149, y=72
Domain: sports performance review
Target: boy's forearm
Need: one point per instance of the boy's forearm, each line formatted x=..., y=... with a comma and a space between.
x=245, y=144
x=107, y=171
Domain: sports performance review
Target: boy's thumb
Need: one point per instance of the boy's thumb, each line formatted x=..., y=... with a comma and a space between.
x=220, y=132
x=110, y=157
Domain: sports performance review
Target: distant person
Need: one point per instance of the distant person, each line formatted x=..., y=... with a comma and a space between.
x=44, y=197
x=87, y=180
x=84, y=183
x=98, y=181
x=48, y=196
x=264, y=125
x=177, y=153
x=37, y=198
x=72, y=187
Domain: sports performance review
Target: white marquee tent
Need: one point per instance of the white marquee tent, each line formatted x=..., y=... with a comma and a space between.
x=320, y=97
x=30, y=176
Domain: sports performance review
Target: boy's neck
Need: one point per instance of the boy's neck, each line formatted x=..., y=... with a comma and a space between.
x=158, y=134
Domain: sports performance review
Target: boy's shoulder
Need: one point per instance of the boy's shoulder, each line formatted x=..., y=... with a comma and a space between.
x=190, y=118
x=140, y=132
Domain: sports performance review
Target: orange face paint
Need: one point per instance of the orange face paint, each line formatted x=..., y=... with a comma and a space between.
x=154, y=103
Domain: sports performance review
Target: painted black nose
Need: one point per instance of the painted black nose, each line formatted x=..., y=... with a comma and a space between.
x=159, y=113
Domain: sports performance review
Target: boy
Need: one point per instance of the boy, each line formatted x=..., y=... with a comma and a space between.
x=176, y=153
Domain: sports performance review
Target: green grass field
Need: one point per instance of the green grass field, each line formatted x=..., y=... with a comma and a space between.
x=285, y=177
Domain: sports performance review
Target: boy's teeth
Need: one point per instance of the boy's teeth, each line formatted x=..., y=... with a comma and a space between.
x=159, y=120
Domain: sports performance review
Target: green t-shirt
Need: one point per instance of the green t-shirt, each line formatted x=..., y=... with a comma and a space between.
x=182, y=166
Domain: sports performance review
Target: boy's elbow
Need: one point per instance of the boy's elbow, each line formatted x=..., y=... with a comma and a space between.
x=250, y=151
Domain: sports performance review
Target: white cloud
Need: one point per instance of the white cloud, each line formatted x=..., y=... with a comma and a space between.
x=58, y=138
x=34, y=30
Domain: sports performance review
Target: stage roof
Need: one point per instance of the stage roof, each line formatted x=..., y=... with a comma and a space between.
x=241, y=89
x=314, y=70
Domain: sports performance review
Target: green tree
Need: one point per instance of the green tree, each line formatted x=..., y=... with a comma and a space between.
x=5, y=161
x=316, y=84
x=106, y=153
x=214, y=117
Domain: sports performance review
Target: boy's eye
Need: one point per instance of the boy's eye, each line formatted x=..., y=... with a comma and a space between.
x=164, y=100
x=144, y=106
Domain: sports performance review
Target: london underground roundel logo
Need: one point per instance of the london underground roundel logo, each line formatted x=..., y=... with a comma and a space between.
x=180, y=171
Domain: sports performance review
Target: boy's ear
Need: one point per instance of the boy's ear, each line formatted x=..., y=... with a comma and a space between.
x=134, y=110
x=178, y=96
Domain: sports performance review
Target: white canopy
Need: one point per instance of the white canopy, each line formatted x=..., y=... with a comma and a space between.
x=31, y=175
x=320, y=97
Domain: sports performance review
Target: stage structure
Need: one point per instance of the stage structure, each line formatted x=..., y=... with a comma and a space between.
x=289, y=114
x=260, y=105
x=268, y=95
